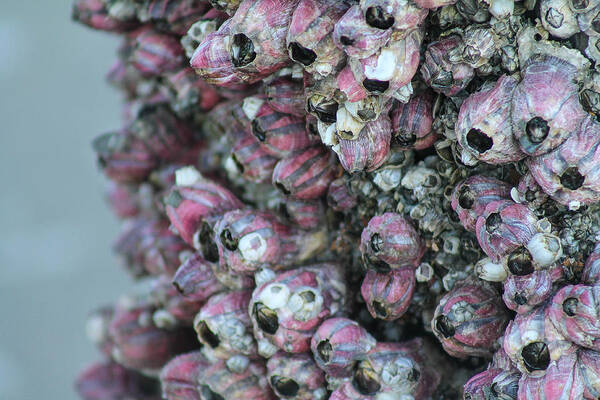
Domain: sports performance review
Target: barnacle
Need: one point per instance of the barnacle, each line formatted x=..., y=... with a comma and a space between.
x=278, y=157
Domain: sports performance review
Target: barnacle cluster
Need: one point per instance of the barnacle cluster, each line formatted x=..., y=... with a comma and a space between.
x=344, y=199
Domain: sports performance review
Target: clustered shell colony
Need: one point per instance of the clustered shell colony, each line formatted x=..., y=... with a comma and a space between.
x=343, y=199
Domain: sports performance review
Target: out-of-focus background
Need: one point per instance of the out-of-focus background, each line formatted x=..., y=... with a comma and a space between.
x=55, y=230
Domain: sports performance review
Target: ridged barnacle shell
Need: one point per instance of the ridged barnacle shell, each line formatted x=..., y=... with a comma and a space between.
x=400, y=15
x=388, y=295
x=471, y=196
x=287, y=310
x=390, y=241
x=389, y=70
x=575, y=311
x=533, y=344
x=545, y=105
x=469, y=319
x=353, y=35
x=309, y=39
x=568, y=174
x=369, y=150
x=483, y=128
x=338, y=344
x=296, y=376
x=558, y=19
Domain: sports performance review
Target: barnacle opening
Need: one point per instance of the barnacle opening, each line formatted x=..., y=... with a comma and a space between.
x=301, y=54
x=346, y=41
x=378, y=18
x=284, y=386
x=536, y=356
x=242, y=50
x=208, y=394
x=572, y=179
x=580, y=4
x=466, y=197
x=373, y=85
x=376, y=242
x=443, y=326
x=258, y=131
x=324, y=350
x=413, y=375
x=228, y=240
x=537, y=130
x=282, y=188
x=479, y=140
x=520, y=299
x=590, y=100
x=209, y=249
x=376, y=264
x=380, y=309
x=442, y=80
x=520, y=262
x=365, y=379
x=492, y=222
x=324, y=109
x=404, y=139
x=265, y=318
x=208, y=336
x=569, y=306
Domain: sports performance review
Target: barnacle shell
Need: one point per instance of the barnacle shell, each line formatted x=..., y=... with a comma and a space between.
x=471, y=197
x=309, y=39
x=353, y=35
x=483, y=128
x=296, y=376
x=411, y=123
x=533, y=344
x=568, y=173
x=338, y=344
x=388, y=295
x=369, y=150
x=389, y=241
x=574, y=313
x=545, y=105
x=503, y=227
x=305, y=174
x=469, y=319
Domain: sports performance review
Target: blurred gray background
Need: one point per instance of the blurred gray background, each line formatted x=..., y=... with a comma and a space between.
x=55, y=229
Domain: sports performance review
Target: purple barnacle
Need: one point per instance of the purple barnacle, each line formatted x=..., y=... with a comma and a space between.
x=296, y=376
x=503, y=227
x=469, y=319
x=568, y=173
x=574, y=312
x=523, y=293
x=338, y=344
x=483, y=126
x=471, y=196
x=545, y=105
x=442, y=75
x=533, y=343
x=390, y=241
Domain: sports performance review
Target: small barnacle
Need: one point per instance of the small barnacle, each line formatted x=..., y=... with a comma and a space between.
x=454, y=322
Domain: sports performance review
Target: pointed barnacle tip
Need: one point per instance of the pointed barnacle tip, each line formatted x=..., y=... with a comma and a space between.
x=187, y=176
